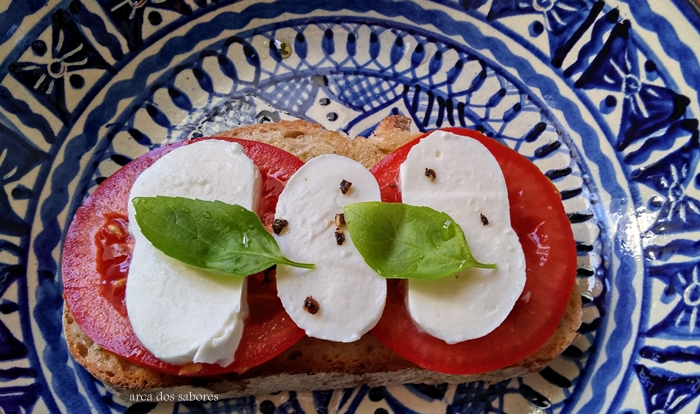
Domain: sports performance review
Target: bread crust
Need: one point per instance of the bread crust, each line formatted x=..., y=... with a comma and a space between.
x=310, y=364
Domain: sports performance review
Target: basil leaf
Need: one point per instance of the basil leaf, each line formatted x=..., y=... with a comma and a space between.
x=210, y=235
x=408, y=242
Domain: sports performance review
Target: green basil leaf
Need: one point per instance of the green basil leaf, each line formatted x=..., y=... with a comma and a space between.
x=210, y=235
x=408, y=242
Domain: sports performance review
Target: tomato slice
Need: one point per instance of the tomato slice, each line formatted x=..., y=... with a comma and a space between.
x=99, y=311
x=539, y=219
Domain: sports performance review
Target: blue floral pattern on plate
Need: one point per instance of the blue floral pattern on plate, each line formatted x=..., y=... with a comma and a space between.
x=601, y=95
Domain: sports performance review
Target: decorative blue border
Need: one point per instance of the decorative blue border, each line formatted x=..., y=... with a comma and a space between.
x=689, y=8
x=16, y=12
x=49, y=290
x=673, y=44
x=228, y=20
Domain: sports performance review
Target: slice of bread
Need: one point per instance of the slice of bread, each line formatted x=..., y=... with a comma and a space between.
x=307, y=140
x=311, y=364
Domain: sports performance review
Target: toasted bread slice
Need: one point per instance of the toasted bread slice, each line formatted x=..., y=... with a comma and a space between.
x=307, y=140
x=311, y=364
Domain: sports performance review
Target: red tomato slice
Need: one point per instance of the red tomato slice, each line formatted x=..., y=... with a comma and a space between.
x=100, y=312
x=539, y=219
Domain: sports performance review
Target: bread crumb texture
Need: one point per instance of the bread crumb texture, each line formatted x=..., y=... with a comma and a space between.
x=307, y=140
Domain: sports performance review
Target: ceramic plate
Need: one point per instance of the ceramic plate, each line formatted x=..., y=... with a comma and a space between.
x=601, y=95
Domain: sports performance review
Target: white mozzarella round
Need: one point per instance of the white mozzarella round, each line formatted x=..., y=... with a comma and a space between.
x=350, y=294
x=468, y=183
x=179, y=313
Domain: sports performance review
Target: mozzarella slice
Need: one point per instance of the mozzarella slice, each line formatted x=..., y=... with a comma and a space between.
x=468, y=183
x=179, y=313
x=350, y=295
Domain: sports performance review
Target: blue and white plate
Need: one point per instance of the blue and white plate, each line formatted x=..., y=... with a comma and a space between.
x=601, y=95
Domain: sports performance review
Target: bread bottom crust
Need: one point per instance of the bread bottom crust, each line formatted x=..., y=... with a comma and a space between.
x=311, y=364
